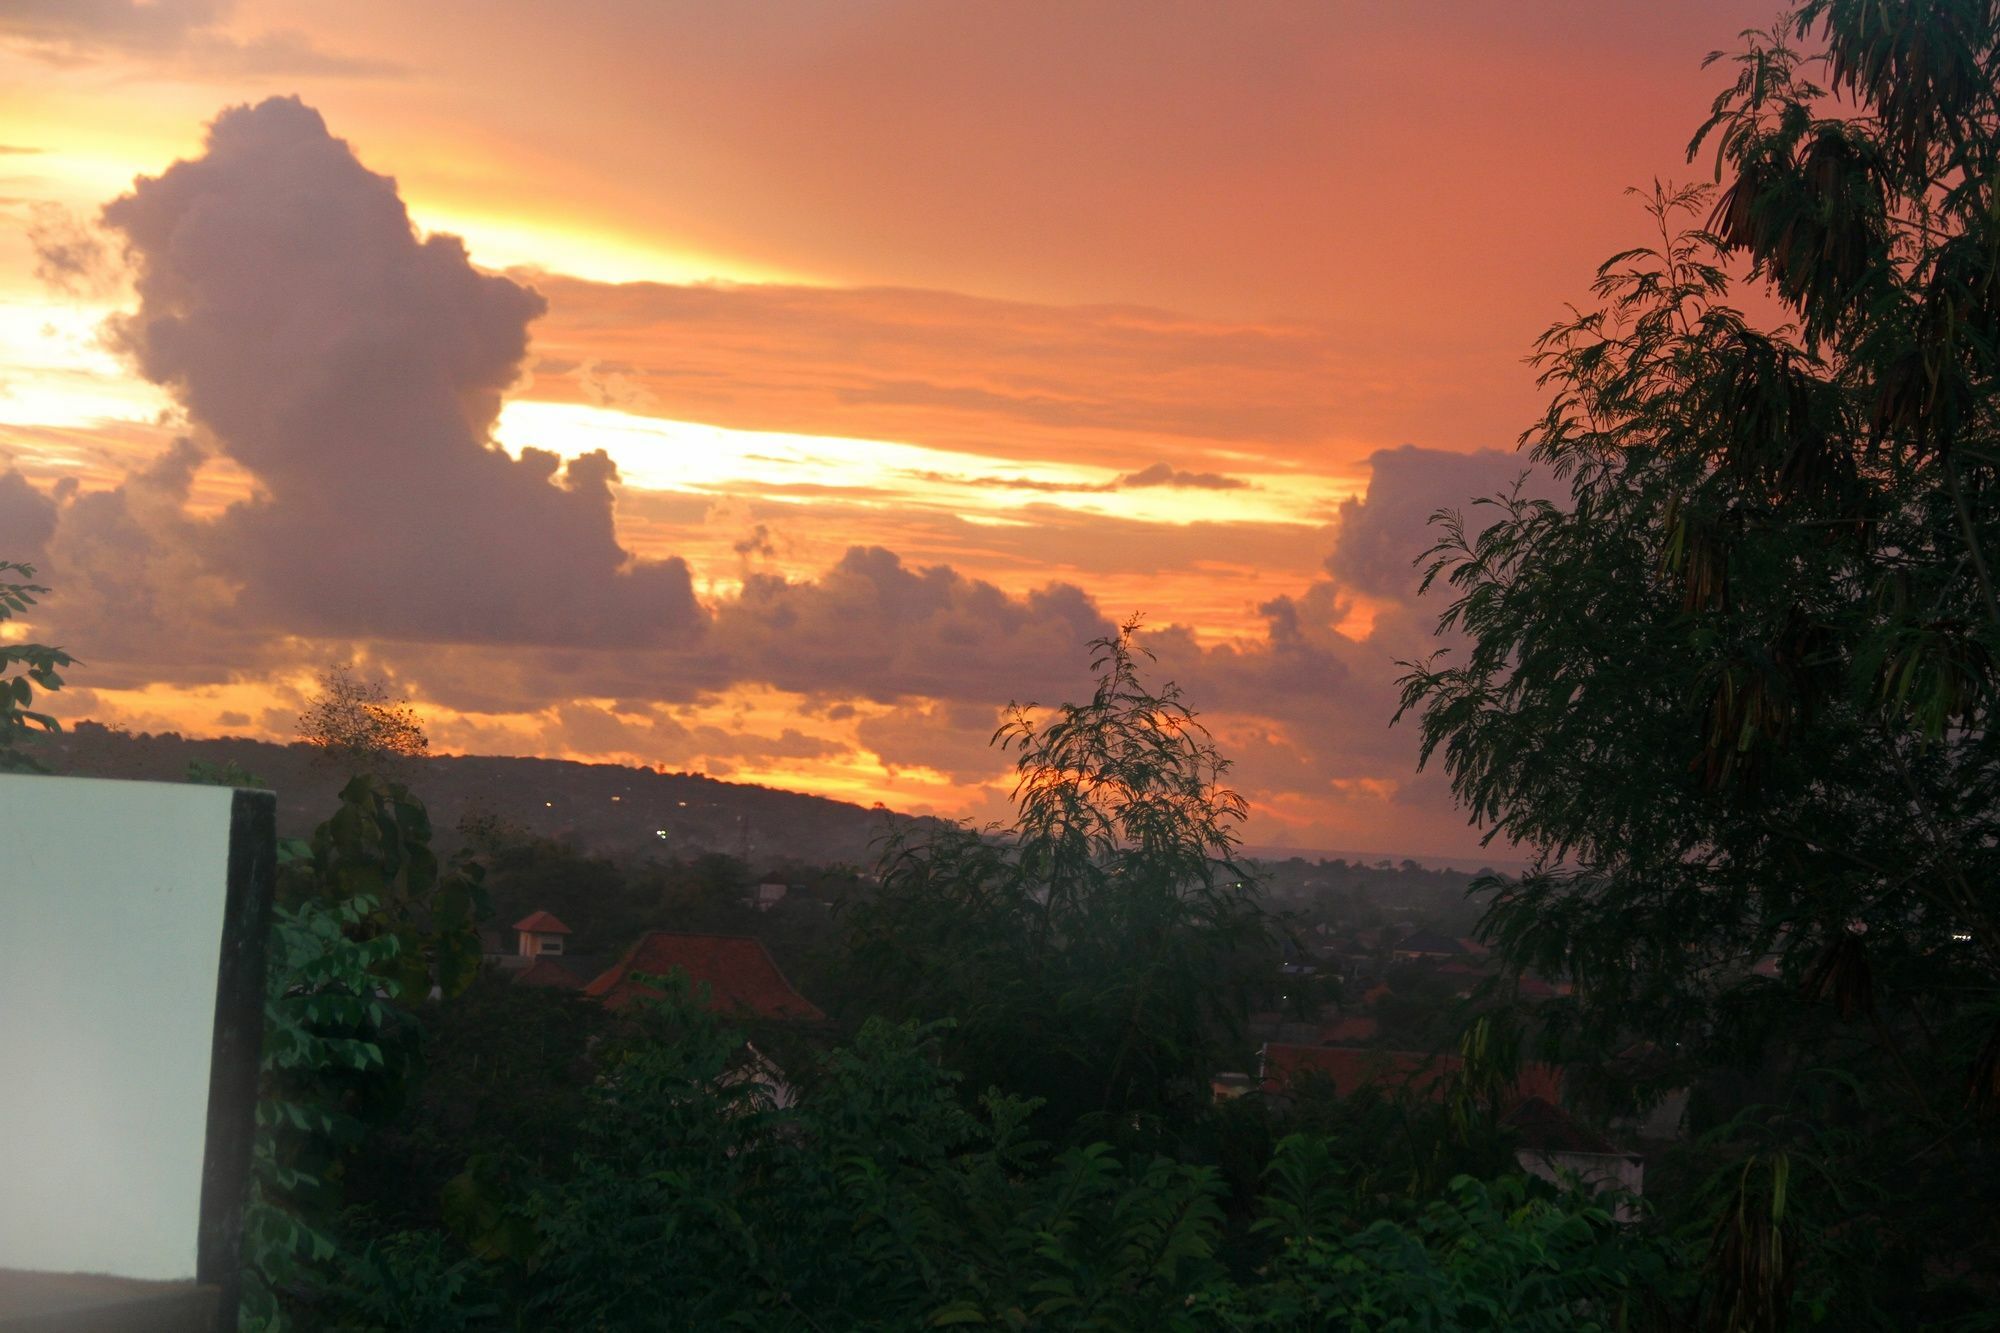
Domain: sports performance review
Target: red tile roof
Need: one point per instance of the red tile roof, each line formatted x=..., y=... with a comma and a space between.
x=1352, y=1068
x=737, y=970
x=542, y=923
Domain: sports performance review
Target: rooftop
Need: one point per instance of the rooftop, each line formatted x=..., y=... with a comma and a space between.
x=738, y=971
x=542, y=923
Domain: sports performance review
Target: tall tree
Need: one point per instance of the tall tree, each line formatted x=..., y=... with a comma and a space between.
x=1098, y=951
x=356, y=725
x=1739, y=692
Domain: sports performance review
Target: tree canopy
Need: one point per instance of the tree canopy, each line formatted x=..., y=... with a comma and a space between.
x=1738, y=691
x=355, y=723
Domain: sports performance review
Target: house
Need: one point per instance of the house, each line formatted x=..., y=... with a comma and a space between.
x=541, y=934
x=766, y=896
x=740, y=974
x=530, y=957
x=1426, y=946
x=1553, y=1145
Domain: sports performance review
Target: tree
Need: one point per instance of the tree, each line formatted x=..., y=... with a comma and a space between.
x=23, y=666
x=355, y=724
x=1739, y=692
x=1097, y=953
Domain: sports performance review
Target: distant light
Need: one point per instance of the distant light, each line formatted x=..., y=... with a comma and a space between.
x=550, y=804
x=680, y=802
x=660, y=832
x=618, y=798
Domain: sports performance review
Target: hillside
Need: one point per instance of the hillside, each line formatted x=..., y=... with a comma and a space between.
x=613, y=810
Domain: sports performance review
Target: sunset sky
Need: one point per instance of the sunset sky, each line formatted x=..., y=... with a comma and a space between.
x=777, y=389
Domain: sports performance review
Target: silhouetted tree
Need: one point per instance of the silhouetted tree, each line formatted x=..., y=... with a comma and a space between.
x=23, y=666
x=1739, y=692
x=1098, y=953
x=356, y=725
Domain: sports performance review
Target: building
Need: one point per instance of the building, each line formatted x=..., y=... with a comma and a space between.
x=1553, y=1145
x=541, y=934
x=739, y=973
x=1426, y=946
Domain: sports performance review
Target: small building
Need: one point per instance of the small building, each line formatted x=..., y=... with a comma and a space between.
x=541, y=934
x=766, y=896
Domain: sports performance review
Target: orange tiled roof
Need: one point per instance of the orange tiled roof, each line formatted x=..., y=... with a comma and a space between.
x=738, y=971
x=542, y=923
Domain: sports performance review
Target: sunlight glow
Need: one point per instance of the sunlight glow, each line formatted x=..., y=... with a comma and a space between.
x=656, y=453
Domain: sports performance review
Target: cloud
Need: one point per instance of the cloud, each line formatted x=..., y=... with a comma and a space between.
x=179, y=36
x=948, y=370
x=27, y=518
x=355, y=372
x=873, y=627
x=70, y=256
x=349, y=374
x=1158, y=474
x=1162, y=474
x=952, y=739
x=1381, y=537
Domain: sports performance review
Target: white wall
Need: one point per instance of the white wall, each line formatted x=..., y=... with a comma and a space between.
x=111, y=910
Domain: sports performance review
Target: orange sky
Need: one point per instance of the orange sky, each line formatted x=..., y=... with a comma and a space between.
x=924, y=338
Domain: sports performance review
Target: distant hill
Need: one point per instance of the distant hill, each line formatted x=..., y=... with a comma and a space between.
x=1471, y=864
x=611, y=809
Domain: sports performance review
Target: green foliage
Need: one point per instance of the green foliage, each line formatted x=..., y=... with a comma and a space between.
x=365, y=918
x=23, y=666
x=329, y=1045
x=877, y=1200
x=376, y=847
x=226, y=774
x=1482, y=1257
x=1739, y=691
x=1097, y=954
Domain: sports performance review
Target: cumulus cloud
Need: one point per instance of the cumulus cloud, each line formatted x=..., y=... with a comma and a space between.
x=1381, y=536
x=874, y=627
x=181, y=36
x=355, y=371
x=27, y=518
